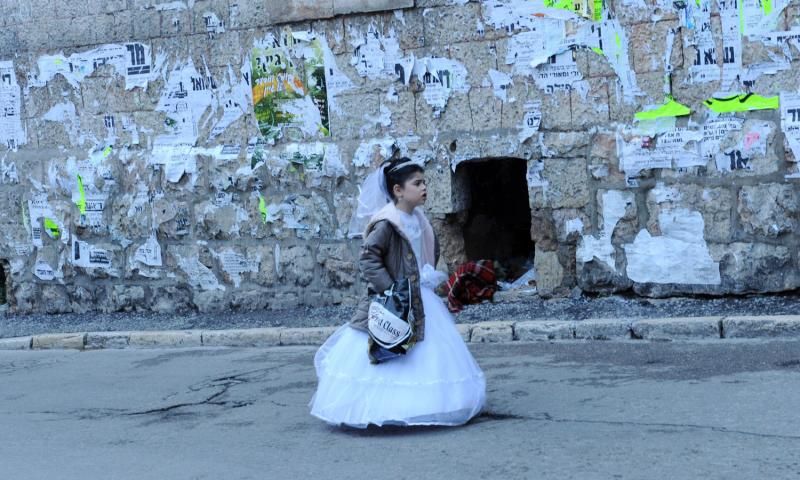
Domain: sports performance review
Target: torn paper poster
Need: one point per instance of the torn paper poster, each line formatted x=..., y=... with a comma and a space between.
x=289, y=94
x=8, y=172
x=560, y=72
x=759, y=17
x=790, y=121
x=65, y=114
x=233, y=99
x=186, y=97
x=176, y=160
x=531, y=120
x=41, y=216
x=94, y=206
x=382, y=119
x=316, y=159
x=44, y=271
x=131, y=60
x=441, y=77
x=534, y=175
x=574, y=225
x=235, y=264
x=679, y=255
x=88, y=256
x=373, y=152
x=149, y=253
x=12, y=135
x=704, y=66
x=731, y=44
x=610, y=38
x=753, y=142
x=541, y=40
x=715, y=130
x=515, y=15
x=783, y=40
x=376, y=55
x=197, y=274
x=638, y=152
x=213, y=24
x=500, y=83
x=615, y=203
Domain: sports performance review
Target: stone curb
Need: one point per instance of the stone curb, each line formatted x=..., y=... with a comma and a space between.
x=662, y=329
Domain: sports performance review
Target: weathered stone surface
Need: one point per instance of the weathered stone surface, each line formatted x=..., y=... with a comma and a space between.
x=16, y=343
x=549, y=271
x=491, y=332
x=769, y=210
x=761, y=326
x=602, y=329
x=531, y=331
x=189, y=338
x=106, y=340
x=306, y=336
x=755, y=267
x=254, y=337
x=74, y=341
x=677, y=328
x=342, y=7
x=567, y=184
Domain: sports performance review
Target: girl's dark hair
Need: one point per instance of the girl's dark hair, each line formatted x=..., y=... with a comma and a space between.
x=397, y=171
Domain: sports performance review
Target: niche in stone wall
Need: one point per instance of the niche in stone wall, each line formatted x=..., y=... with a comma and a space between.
x=4, y=285
x=497, y=222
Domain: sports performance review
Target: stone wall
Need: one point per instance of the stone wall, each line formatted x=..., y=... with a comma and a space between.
x=206, y=154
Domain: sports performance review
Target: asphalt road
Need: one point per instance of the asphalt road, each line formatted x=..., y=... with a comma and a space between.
x=582, y=410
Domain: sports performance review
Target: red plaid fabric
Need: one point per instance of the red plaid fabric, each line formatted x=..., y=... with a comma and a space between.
x=472, y=282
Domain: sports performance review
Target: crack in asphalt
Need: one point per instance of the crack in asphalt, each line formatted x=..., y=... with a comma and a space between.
x=546, y=417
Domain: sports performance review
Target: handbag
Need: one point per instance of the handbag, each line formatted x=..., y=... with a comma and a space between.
x=390, y=322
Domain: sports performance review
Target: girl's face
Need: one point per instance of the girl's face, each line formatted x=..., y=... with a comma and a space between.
x=413, y=193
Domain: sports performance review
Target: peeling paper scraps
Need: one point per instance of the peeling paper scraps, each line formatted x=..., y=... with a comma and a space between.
x=514, y=15
x=534, y=175
x=704, y=66
x=232, y=99
x=731, y=44
x=376, y=55
x=527, y=48
x=560, y=72
x=783, y=40
x=442, y=77
x=715, y=131
x=790, y=121
x=235, y=264
x=316, y=159
x=639, y=152
x=373, y=152
x=383, y=119
x=679, y=255
x=65, y=114
x=8, y=172
x=88, y=256
x=213, y=24
x=176, y=160
x=186, y=97
x=40, y=213
x=590, y=247
x=149, y=253
x=753, y=142
x=500, y=82
x=531, y=120
x=44, y=271
x=198, y=275
x=12, y=134
x=759, y=17
x=131, y=60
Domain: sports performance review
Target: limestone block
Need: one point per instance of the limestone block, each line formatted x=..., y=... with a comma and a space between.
x=713, y=203
x=156, y=339
x=252, y=299
x=179, y=22
x=107, y=340
x=677, y=328
x=593, y=65
x=485, y=109
x=298, y=265
x=755, y=267
x=284, y=299
x=171, y=299
x=570, y=224
x=452, y=24
x=24, y=297
x=72, y=341
x=513, y=113
x=464, y=329
x=602, y=329
x=352, y=114
x=447, y=192
x=114, y=28
x=278, y=11
x=218, y=50
x=128, y=298
x=210, y=301
x=334, y=33
x=492, y=332
x=55, y=299
x=647, y=44
x=399, y=104
x=306, y=336
x=652, y=84
x=570, y=144
x=783, y=326
x=555, y=115
x=543, y=228
x=456, y=116
x=16, y=343
x=769, y=210
x=567, y=184
x=538, y=330
x=339, y=265
x=478, y=57
x=146, y=25
x=253, y=337
x=593, y=110
x=343, y=7
x=267, y=273
x=646, y=11
x=549, y=271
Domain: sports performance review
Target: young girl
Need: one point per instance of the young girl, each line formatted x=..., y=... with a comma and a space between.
x=437, y=382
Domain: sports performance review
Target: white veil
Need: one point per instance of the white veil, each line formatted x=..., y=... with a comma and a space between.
x=372, y=197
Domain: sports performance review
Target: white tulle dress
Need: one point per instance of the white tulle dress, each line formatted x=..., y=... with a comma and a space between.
x=437, y=383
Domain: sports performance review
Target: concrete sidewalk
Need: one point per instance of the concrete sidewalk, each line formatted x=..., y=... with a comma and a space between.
x=659, y=329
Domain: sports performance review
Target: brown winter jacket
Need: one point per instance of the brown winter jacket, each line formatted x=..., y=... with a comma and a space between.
x=386, y=256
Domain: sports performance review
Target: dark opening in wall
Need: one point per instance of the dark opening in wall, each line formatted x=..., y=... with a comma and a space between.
x=4, y=270
x=498, y=223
